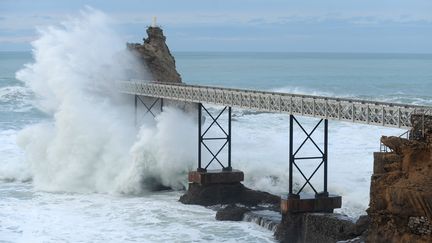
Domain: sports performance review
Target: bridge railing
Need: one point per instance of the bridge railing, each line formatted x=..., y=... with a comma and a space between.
x=350, y=110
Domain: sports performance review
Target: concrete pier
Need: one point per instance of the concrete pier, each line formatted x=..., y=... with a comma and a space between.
x=215, y=177
x=310, y=204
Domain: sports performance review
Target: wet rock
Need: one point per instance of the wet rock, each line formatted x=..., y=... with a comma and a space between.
x=232, y=193
x=154, y=184
x=361, y=225
x=231, y=213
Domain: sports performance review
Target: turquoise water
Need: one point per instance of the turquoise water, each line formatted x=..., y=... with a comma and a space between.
x=16, y=110
x=390, y=77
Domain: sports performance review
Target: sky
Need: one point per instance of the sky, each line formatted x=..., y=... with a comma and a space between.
x=365, y=26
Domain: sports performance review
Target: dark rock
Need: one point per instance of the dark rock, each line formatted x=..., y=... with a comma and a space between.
x=154, y=184
x=213, y=194
x=253, y=197
x=231, y=213
x=362, y=224
x=156, y=55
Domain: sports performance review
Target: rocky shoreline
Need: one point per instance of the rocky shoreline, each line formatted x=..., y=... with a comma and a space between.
x=235, y=202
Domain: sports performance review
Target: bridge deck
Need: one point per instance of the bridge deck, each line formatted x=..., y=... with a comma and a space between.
x=350, y=110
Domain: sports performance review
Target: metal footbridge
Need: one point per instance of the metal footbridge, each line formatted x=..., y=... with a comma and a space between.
x=325, y=108
x=331, y=108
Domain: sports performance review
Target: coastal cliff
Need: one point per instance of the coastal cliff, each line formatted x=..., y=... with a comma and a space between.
x=155, y=54
x=157, y=60
x=400, y=208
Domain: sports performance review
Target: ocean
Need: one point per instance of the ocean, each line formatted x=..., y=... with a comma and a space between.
x=73, y=164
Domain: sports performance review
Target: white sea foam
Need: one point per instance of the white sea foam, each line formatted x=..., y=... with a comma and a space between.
x=29, y=216
x=91, y=144
x=12, y=165
x=15, y=98
x=303, y=90
x=12, y=93
x=164, y=153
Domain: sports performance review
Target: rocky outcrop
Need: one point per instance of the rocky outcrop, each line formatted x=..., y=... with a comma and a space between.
x=400, y=206
x=232, y=193
x=155, y=54
x=160, y=63
x=231, y=212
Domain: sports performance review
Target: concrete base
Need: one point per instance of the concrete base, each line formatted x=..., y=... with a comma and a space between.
x=310, y=204
x=321, y=227
x=215, y=177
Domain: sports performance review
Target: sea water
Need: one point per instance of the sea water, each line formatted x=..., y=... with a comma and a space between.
x=55, y=187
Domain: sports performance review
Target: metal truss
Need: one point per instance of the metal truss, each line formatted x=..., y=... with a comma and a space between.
x=330, y=108
x=295, y=160
x=202, y=138
x=149, y=107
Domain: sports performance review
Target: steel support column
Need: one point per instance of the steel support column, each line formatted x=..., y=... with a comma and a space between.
x=199, y=137
x=136, y=110
x=149, y=108
x=202, y=138
x=325, y=157
x=293, y=158
x=229, y=138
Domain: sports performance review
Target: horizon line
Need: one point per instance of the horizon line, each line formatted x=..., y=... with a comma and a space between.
x=273, y=52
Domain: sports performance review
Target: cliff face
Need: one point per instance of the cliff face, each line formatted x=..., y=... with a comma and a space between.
x=400, y=206
x=156, y=55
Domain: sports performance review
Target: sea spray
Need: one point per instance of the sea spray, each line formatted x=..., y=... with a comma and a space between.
x=89, y=144
x=164, y=154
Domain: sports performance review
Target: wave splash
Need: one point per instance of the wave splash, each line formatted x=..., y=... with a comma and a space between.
x=91, y=144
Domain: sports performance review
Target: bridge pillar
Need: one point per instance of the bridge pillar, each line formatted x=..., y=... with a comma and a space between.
x=225, y=173
x=296, y=202
x=214, y=181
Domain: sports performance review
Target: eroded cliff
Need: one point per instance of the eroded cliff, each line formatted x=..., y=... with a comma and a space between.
x=400, y=207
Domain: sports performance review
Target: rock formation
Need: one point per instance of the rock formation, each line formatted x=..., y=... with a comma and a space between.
x=400, y=206
x=231, y=212
x=157, y=57
x=158, y=61
x=232, y=193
